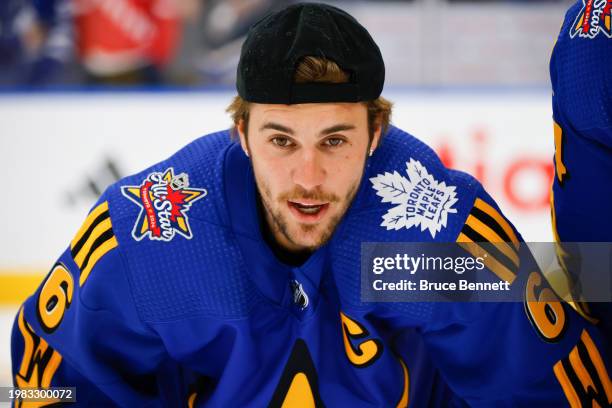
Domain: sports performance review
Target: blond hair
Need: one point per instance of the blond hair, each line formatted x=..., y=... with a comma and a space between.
x=317, y=69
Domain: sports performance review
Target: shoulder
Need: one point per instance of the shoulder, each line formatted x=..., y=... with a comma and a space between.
x=587, y=19
x=583, y=52
x=170, y=226
x=193, y=174
x=408, y=194
x=419, y=199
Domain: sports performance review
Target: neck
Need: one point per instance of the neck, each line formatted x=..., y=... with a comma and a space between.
x=285, y=251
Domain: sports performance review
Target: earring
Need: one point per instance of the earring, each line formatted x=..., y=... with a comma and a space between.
x=371, y=152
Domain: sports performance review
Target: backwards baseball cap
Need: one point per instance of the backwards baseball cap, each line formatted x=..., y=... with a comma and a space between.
x=276, y=44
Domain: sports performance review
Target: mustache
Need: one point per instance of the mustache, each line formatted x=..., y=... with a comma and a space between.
x=301, y=193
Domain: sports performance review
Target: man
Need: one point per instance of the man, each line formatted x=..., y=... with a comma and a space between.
x=582, y=112
x=228, y=275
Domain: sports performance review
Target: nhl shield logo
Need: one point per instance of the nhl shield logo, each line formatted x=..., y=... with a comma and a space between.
x=420, y=200
x=593, y=19
x=164, y=200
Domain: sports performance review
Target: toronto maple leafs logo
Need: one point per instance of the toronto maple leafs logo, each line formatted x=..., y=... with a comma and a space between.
x=419, y=200
x=164, y=199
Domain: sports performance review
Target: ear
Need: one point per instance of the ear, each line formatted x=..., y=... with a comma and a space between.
x=376, y=136
x=242, y=134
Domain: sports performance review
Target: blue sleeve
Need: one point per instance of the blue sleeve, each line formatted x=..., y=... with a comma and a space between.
x=538, y=352
x=81, y=329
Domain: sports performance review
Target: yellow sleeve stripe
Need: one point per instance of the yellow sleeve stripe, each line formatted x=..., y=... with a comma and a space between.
x=93, y=215
x=583, y=375
x=493, y=237
x=28, y=344
x=98, y=253
x=598, y=363
x=581, y=372
x=559, y=165
x=38, y=358
x=566, y=385
x=98, y=230
x=94, y=239
x=490, y=262
x=50, y=369
x=499, y=219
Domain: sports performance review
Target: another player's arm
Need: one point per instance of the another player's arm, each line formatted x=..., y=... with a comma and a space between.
x=534, y=353
x=80, y=328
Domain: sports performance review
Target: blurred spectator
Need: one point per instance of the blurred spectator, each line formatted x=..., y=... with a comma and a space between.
x=213, y=31
x=197, y=42
x=15, y=19
x=35, y=41
x=508, y=1
x=125, y=42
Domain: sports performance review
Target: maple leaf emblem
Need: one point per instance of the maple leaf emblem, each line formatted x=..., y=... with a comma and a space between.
x=420, y=200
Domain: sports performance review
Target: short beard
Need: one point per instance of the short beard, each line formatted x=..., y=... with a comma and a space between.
x=280, y=224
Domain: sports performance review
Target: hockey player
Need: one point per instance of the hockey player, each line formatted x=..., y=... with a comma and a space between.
x=582, y=112
x=228, y=275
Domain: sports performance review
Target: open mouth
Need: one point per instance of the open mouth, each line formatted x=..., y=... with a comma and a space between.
x=307, y=210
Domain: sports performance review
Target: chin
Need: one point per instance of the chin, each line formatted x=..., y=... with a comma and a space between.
x=310, y=240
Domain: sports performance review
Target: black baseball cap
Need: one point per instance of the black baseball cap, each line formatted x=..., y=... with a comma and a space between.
x=276, y=44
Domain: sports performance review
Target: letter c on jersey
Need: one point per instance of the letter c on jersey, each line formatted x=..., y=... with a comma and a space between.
x=55, y=297
x=366, y=352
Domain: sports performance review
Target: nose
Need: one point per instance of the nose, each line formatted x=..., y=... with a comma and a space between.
x=308, y=170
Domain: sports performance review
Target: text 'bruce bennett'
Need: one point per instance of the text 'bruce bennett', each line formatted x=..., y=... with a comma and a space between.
x=426, y=286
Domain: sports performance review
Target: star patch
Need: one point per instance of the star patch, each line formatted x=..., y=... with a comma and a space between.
x=164, y=200
x=594, y=18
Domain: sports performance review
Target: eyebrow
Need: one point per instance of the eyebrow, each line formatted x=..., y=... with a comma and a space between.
x=337, y=128
x=276, y=126
x=332, y=129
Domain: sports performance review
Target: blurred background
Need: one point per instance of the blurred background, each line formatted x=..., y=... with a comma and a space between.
x=93, y=90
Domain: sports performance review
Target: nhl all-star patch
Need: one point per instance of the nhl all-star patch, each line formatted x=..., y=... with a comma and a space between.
x=164, y=200
x=593, y=19
x=420, y=200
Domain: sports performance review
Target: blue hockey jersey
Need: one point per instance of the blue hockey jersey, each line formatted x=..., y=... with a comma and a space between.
x=582, y=111
x=169, y=296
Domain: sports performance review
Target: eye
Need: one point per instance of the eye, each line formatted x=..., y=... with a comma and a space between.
x=281, y=141
x=334, y=142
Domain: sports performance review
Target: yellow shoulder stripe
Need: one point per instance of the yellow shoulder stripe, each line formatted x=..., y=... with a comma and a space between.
x=93, y=215
x=487, y=234
x=494, y=238
x=474, y=248
x=501, y=221
x=94, y=239
x=95, y=257
x=97, y=231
